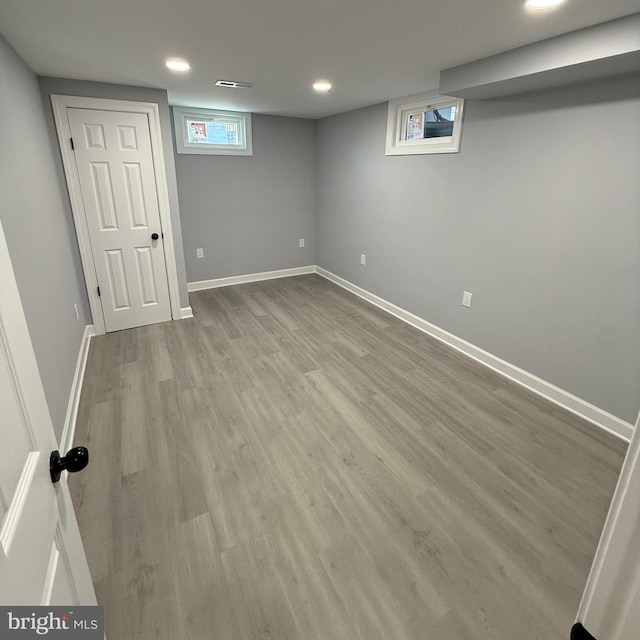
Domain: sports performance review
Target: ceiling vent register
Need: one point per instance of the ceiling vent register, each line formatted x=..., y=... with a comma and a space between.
x=232, y=84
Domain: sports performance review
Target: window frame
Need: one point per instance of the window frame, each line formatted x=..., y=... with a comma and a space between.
x=401, y=107
x=181, y=116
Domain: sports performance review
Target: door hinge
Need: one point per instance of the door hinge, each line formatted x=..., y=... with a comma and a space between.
x=98, y=292
x=73, y=148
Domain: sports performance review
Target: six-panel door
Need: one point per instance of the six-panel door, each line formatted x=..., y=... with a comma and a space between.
x=115, y=166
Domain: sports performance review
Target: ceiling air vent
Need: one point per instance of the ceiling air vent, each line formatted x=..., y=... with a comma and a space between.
x=232, y=84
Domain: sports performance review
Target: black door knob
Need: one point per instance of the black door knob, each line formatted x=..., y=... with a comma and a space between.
x=154, y=236
x=75, y=460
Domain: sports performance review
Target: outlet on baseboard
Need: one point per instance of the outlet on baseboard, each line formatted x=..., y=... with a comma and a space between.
x=466, y=299
x=363, y=259
x=200, y=253
x=301, y=242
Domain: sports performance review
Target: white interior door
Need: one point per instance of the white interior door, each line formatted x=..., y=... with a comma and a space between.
x=113, y=156
x=42, y=560
x=610, y=607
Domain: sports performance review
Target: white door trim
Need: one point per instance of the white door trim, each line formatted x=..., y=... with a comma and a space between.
x=60, y=104
x=609, y=602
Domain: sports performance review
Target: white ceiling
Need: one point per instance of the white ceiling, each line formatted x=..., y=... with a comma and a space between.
x=372, y=50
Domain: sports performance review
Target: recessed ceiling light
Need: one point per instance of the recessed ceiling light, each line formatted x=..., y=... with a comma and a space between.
x=177, y=65
x=322, y=86
x=542, y=5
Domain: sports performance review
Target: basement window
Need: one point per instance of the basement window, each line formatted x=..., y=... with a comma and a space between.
x=424, y=123
x=212, y=132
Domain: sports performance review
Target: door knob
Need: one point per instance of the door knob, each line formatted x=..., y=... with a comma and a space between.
x=154, y=236
x=75, y=460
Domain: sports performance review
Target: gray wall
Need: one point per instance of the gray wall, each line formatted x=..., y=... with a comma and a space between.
x=538, y=216
x=248, y=213
x=61, y=86
x=40, y=233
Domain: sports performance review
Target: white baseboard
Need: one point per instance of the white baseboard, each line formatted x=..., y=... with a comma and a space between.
x=186, y=312
x=568, y=401
x=250, y=277
x=69, y=430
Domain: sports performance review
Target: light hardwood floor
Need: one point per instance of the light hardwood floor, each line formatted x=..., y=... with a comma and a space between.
x=293, y=463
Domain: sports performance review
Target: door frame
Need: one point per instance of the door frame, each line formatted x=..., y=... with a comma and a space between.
x=60, y=105
x=611, y=588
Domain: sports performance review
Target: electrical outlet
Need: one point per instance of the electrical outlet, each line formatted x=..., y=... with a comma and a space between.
x=75, y=308
x=363, y=259
x=466, y=299
x=301, y=242
x=200, y=253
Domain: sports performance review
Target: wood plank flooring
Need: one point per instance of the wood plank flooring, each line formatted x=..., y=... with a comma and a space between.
x=293, y=463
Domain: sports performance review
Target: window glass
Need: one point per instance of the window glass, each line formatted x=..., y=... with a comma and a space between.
x=431, y=123
x=213, y=132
